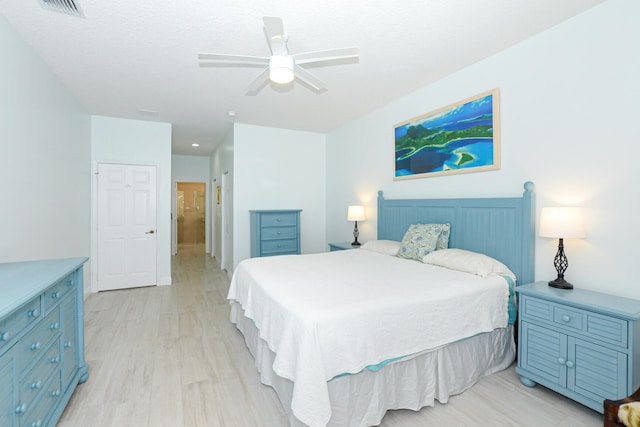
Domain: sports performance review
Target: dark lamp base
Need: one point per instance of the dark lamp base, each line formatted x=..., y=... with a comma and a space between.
x=356, y=243
x=560, y=284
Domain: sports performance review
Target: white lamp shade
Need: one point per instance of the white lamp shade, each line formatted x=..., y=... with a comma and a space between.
x=561, y=222
x=355, y=213
x=281, y=69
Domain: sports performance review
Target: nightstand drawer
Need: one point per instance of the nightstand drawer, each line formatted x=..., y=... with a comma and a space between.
x=279, y=233
x=589, y=324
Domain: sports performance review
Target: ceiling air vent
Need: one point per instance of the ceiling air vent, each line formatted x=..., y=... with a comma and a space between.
x=65, y=6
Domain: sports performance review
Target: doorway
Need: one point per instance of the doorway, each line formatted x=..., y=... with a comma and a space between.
x=191, y=216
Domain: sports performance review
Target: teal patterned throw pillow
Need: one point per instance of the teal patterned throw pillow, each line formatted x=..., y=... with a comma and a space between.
x=420, y=239
x=443, y=238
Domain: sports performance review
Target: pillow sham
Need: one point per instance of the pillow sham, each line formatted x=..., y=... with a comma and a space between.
x=387, y=247
x=469, y=262
x=419, y=240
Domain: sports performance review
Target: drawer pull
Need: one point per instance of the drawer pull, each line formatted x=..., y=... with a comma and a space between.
x=5, y=336
x=566, y=318
x=561, y=361
x=33, y=313
x=21, y=409
x=67, y=344
x=55, y=295
x=54, y=360
x=278, y=219
x=36, y=385
x=36, y=423
x=69, y=283
x=35, y=346
x=55, y=393
x=54, y=326
x=569, y=364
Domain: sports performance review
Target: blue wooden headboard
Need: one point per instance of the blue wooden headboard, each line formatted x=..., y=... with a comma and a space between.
x=503, y=228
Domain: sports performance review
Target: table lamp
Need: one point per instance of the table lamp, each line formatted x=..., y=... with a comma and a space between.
x=355, y=213
x=561, y=223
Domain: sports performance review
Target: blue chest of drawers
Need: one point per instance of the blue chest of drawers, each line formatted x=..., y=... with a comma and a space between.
x=584, y=345
x=275, y=232
x=41, y=340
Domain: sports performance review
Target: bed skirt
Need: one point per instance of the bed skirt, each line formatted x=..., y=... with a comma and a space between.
x=411, y=383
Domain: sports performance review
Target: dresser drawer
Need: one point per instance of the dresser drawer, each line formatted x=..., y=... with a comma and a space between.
x=36, y=379
x=279, y=247
x=278, y=219
x=57, y=291
x=12, y=325
x=279, y=233
x=40, y=411
x=7, y=405
x=34, y=343
x=589, y=324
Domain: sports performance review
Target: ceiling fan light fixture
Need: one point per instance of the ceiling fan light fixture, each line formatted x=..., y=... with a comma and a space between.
x=281, y=69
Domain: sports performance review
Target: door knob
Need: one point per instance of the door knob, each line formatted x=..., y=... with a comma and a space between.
x=150, y=232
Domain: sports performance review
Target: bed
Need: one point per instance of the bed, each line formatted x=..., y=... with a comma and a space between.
x=344, y=336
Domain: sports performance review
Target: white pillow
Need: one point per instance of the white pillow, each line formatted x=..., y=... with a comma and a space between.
x=387, y=247
x=468, y=261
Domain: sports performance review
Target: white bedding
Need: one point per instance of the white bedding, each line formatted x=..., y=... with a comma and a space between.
x=337, y=312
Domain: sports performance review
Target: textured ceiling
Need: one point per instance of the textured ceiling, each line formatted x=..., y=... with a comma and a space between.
x=125, y=56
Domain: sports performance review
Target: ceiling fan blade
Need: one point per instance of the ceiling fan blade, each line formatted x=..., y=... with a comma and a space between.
x=274, y=30
x=309, y=79
x=258, y=83
x=232, y=59
x=325, y=55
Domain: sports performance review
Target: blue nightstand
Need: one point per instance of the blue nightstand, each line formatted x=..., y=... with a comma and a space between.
x=579, y=343
x=341, y=246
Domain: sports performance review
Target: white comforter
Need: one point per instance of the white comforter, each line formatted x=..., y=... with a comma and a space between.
x=337, y=312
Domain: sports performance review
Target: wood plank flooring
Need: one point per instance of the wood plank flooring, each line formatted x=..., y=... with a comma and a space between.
x=168, y=356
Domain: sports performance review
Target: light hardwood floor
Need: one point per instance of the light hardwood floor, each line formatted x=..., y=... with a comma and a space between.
x=168, y=356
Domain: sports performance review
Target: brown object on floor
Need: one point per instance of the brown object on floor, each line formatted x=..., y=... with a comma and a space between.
x=611, y=409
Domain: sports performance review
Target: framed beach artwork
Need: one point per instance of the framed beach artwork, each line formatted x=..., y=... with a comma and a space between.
x=459, y=138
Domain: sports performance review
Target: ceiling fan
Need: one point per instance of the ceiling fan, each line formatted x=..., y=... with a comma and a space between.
x=281, y=67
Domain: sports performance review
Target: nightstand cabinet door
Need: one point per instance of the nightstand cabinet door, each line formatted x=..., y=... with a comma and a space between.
x=545, y=353
x=597, y=371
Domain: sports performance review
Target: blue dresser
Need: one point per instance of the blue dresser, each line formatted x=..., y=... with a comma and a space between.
x=275, y=232
x=582, y=344
x=41, y=340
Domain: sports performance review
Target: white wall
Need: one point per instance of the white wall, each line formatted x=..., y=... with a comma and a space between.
x=568, y=123
x=44, y=160
x=221, y=162
x=138, y=142
x=191, y=169
x=279, y=169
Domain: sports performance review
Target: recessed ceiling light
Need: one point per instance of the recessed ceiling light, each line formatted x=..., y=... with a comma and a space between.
x=195, y=144
x=231, y=113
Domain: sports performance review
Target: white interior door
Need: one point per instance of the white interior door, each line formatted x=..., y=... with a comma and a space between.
x=127, y=212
